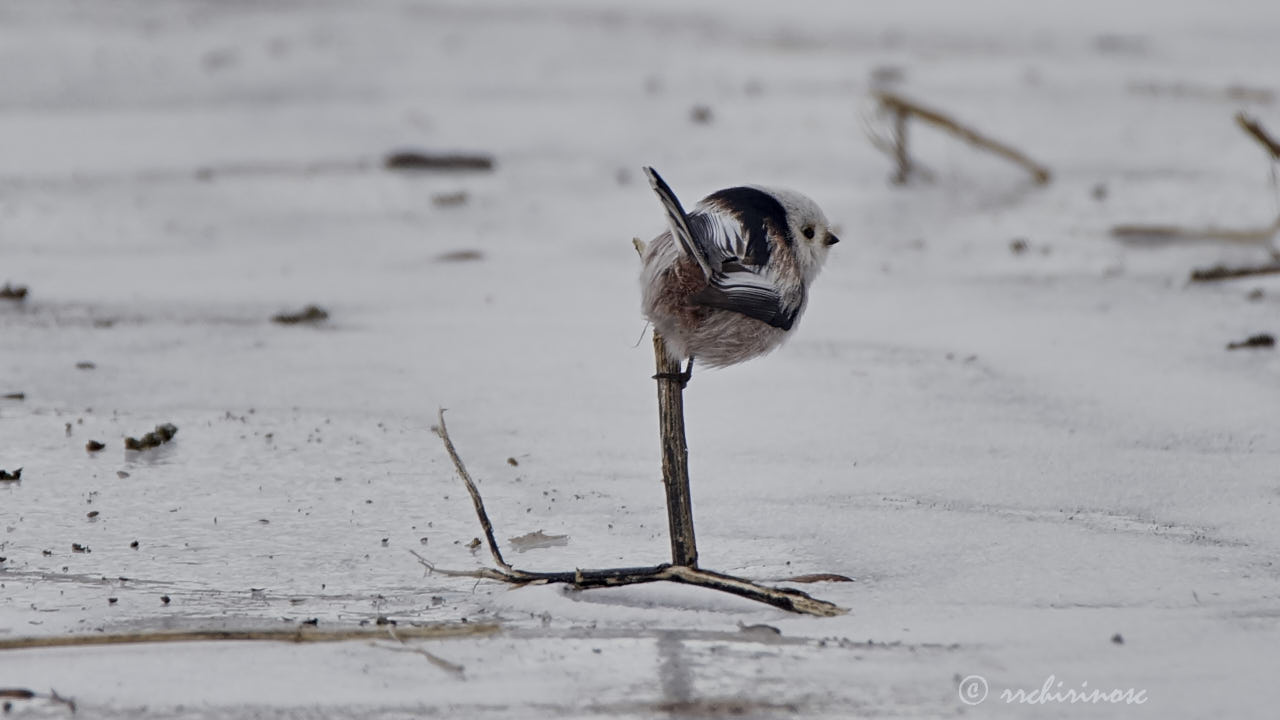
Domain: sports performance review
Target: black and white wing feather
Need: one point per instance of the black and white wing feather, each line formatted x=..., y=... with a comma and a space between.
x=728, y=235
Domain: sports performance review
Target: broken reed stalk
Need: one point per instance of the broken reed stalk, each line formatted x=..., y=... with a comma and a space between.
x=902, y=109
x=900, y=154
x=1256, y=131
x=675, y=456
x=784, y=598
x=297, y=635
x=1165, y=234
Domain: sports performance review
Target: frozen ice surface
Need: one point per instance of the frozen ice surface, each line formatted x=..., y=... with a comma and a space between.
x=1018, y=456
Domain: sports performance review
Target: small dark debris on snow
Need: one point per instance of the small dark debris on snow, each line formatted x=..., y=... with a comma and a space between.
x=701, y=114
x=460, y=256
x=134, y=544
x=417, y=161
x=1118, y=639
x=1018, y=246
x=122, y=474
x=15, y=396
x=513, y=462
x=17, y=693
x=165, y=599
x=450, y=199
x=78, y=548
x=384, y=620
x=112, y=600
x=94, y=446
x=308, y=314
x=92, y=514
x=1255, y=295
x=15, y=476
x=161, y=435
x=1262, y=340
x=16, y=293
x=760, y=629
x=474, y=544
x=1100, y=192
x=85, y=365
x=881, y=76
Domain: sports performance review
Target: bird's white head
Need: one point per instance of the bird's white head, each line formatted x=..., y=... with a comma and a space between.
x=809, y=229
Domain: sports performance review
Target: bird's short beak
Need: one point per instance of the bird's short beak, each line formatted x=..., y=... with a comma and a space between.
x=832, y=240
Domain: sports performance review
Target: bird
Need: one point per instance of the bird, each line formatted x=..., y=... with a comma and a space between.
x=729, y=281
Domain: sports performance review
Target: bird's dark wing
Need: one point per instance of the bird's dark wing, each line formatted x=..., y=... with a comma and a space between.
x=750, y=294
x=734, y=237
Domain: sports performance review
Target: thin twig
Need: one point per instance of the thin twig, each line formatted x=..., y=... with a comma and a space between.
x=443, y=432
x=784, y=598
x=298, y=635
x=63, y=699
x=675, y=456
x=450, y=667
x=901, y=108
x=447, y=666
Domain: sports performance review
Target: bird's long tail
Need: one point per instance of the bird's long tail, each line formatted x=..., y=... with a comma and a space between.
x=678, y=220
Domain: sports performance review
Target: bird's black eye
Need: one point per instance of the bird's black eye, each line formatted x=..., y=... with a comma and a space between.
x=808, y=232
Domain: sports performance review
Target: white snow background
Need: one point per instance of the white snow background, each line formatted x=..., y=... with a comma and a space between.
x=1018, y=456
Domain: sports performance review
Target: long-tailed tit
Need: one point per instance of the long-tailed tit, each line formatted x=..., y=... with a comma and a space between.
x=729, y=281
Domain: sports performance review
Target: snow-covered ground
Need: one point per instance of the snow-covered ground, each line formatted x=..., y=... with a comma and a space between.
x=1019, y=456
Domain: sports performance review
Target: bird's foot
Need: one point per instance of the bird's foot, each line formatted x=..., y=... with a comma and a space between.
x=682, y=377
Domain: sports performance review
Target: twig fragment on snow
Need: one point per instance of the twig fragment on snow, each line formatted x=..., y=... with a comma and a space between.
x=902, y=109
x=1222, y=272
x=450, y=667
x=62, y=699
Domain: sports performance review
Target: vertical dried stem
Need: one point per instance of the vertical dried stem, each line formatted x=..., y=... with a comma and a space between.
x=443, y=431
x=900, y=146
x=675, y=457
